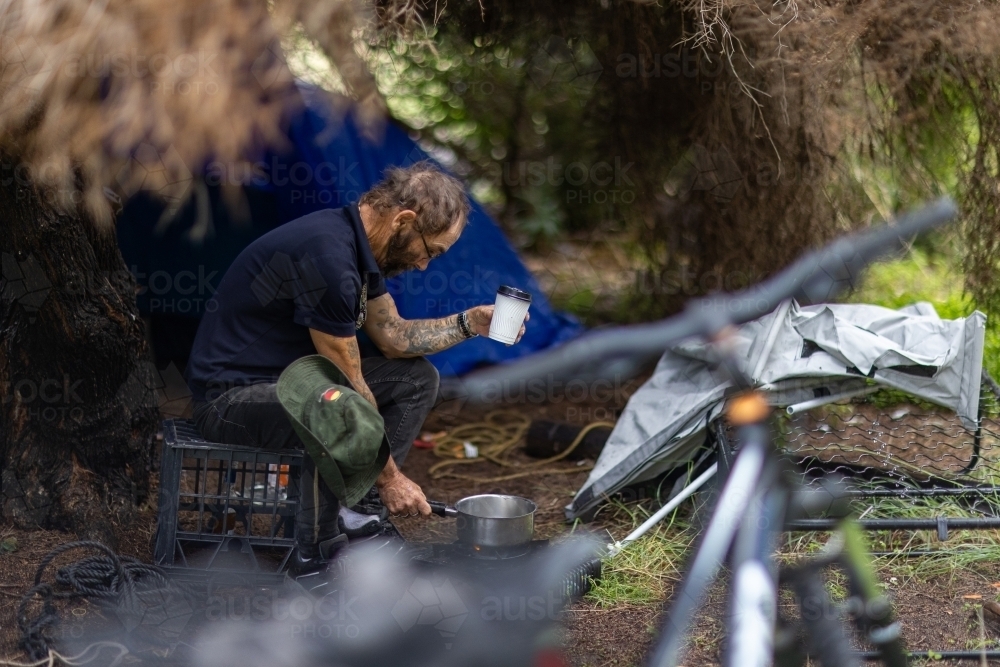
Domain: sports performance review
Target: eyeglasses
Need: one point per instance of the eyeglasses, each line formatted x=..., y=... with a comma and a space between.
x=427, y=250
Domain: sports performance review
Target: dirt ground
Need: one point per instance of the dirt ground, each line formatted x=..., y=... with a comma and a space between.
x=934, y=614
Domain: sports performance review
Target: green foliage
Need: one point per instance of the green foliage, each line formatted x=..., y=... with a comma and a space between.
x=526, y=100
x=887, y=398
x=542, y=221
x=938, y=134
x=922, y=275
x=509, y=115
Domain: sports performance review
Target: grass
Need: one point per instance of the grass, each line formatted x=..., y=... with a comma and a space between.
x=964, y=551
x=645, y=570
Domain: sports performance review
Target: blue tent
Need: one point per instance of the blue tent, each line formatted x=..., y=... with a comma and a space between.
x=329, y=164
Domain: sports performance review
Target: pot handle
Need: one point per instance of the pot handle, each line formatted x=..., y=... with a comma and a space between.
x=442, y=509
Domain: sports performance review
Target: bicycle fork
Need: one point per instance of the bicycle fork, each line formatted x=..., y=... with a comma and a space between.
x=754, y=591
x=739, y=488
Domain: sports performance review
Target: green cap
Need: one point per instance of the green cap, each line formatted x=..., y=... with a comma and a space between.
x=343, y=433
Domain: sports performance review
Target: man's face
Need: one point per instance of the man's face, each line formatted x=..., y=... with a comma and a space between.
x=402, y=254
x=406, y=249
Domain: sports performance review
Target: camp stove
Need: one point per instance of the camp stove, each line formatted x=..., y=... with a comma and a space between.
x=493, y=561
x=477, y=552
x=470, y=556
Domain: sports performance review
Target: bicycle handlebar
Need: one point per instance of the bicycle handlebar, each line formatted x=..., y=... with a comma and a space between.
x=814, y=278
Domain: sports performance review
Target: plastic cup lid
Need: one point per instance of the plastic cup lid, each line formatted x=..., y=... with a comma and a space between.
x=514, y=293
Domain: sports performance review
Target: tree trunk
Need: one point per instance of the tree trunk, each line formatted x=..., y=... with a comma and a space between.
x=77, y=399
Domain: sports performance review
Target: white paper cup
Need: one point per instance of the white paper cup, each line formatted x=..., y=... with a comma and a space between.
x=508, y=314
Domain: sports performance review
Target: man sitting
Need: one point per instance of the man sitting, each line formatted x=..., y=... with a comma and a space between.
x=306, y=288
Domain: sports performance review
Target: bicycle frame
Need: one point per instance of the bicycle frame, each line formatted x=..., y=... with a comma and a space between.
x=756, y=501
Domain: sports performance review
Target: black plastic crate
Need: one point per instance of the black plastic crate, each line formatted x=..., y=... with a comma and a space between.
x=224, y=509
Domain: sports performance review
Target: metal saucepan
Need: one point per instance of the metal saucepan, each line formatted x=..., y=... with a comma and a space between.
x=491, y=520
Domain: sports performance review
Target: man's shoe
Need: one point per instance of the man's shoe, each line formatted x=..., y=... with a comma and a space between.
x=385, y=540
x=355, y=524
x=372, y=505
x=316, y=575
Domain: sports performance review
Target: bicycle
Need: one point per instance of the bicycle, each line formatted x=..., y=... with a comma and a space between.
x=759, y=495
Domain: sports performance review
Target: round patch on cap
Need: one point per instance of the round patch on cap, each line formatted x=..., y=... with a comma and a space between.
x=331, y=394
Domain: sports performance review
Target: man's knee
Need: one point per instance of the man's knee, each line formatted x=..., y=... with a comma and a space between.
x=402, y=380
x=426, y=374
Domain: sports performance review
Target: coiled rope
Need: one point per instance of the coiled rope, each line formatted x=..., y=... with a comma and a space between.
x=127, y=587
x=496, y=436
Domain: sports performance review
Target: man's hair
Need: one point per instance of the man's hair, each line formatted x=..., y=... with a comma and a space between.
x=437, y=198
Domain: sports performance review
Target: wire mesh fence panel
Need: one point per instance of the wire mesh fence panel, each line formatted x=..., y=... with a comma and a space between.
x=898, y=442
x=912, y=465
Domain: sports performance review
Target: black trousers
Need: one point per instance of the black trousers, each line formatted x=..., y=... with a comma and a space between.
x=405, y=390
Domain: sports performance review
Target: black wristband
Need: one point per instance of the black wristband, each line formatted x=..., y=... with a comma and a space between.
x=463, y=325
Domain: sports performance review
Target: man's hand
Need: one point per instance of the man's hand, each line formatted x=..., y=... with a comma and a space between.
x=481, y=316
x=402, y=495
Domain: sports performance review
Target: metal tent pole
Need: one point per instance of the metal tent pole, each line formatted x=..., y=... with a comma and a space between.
x=686, y=492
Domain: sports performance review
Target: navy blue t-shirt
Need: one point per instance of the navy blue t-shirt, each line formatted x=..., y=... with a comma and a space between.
x=310, y=273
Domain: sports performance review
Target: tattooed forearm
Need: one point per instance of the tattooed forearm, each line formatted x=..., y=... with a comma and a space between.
x=416, y=338
x=354, y=373
x=430, y=336
x=345, y=354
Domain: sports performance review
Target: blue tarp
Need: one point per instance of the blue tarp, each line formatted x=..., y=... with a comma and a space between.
x=329, y=165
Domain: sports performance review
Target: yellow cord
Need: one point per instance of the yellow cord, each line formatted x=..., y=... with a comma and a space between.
x=495, y=437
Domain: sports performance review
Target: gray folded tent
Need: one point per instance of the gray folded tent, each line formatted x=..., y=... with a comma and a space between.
x=794, y=354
